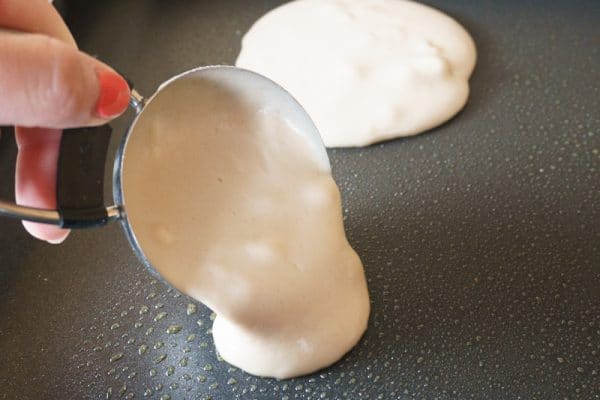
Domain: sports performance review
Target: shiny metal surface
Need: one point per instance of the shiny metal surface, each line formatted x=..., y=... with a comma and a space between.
x=52, y=217
x=137, y=101
x=113, y=212
x=12, y=210
x=251, y=82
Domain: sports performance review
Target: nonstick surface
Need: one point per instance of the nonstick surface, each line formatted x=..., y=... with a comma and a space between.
x=480, y=239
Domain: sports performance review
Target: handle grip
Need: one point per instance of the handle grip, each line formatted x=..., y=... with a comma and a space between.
x=80, y=183
x=80, y=177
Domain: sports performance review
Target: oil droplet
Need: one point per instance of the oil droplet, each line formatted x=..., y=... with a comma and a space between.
x=138, y=325
x=183, y=362
x=214, y=386
x=132, y=375
x=200, y=322
x=174, y=386
x=173, y=329
x=213, y=316
x=560, y=360
x=419, y=360
x=186, y=349
x=207, y=367
x=158, y=345
x=115, y=326
x=148, y=392
x=191, y=309
x=158, y=305
x=160, y=359
x=165, y=397
x=149, y=331
x=231, y=381
x=201, y=378
x=122, y=390
x=203, y=345
x=97, y=349
x=143, y=310
x=170, y=370
x=116, y=357
x=186, y=377
x=190, y=338
x=142, y=349
x=131, y=341
x=152, y=372
x=108, y=393
x=151, y=295
x=160, y=316
x=580, y=370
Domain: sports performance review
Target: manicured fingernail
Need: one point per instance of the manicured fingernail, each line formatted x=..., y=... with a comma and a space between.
x=58, y=238
x=114, y=94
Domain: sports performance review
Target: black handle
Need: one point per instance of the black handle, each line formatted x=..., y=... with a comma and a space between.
x=80, y=177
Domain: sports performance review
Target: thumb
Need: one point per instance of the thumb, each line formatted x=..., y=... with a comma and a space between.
x=47, y=83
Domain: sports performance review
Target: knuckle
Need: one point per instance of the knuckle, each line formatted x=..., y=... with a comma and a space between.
x=64, y=93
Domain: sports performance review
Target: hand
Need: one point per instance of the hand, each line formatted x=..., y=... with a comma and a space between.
x=46, y=84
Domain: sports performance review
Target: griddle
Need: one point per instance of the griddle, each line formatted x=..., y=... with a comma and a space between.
x=480, y=238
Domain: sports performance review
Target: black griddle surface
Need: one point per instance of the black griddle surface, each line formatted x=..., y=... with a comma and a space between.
x=480, y=239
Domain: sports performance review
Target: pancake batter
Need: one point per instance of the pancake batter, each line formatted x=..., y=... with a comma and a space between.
x=365, y=70
x=237, y=208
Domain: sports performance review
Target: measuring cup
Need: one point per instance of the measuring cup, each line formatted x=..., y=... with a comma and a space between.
x=80, y=180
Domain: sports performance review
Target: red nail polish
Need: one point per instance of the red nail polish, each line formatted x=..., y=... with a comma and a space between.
x=114, y=94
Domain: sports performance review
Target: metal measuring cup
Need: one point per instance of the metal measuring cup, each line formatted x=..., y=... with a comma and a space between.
x=83, y=153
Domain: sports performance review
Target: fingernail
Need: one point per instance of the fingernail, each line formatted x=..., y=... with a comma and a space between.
x=114, y=94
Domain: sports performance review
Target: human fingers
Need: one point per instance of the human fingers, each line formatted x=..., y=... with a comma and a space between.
x=35, y=178
x=38, y=148
x=34, y=16
x=47, y=83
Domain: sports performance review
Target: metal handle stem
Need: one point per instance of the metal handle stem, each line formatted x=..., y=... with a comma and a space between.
x=33, y=214
x=137, y=101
